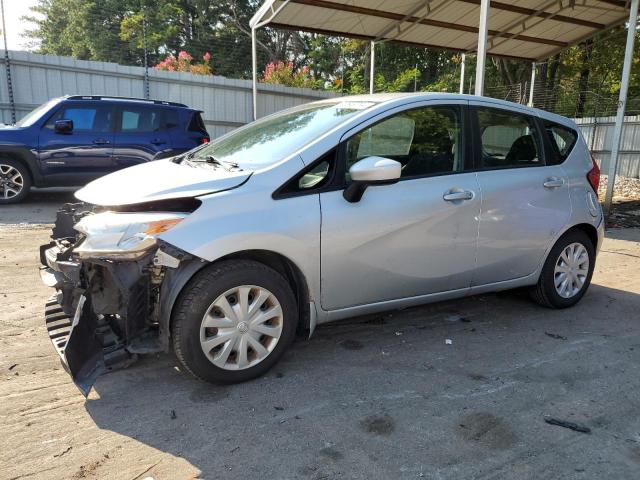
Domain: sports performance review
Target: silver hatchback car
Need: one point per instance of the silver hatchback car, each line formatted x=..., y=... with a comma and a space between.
x=328, y=210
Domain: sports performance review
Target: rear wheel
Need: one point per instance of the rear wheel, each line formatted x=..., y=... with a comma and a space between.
x=234, y=321
x=15, y=181
x=567, y=272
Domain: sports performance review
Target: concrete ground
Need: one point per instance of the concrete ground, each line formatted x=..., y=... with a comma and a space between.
x=378, y=398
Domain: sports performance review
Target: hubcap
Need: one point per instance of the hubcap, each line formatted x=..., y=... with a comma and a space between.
x=241, y=327
x=571, y=270
x=11, y=181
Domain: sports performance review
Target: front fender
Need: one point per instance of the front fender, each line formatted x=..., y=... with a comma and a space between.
x=25, y=154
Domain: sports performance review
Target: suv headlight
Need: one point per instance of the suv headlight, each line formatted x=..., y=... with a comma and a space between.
x=127, y=235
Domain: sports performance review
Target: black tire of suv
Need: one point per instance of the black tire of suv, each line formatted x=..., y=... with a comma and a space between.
x=197, y=297
x=545, y=292
x=26, y=179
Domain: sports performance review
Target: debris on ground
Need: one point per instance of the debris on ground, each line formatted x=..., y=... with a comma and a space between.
x=63, y=452
x=555, y=335
x=279, y=408
x=13, y=366
x=173, y=415
x=448, y=341
x=566, y=424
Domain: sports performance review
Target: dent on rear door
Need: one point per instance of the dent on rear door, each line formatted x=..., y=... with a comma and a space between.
x=519, y=220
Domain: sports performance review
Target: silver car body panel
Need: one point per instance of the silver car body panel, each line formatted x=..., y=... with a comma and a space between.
x=366, y=257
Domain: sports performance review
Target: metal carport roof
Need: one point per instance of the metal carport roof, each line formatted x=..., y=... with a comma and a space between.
x=524, y=29
x=530, y=30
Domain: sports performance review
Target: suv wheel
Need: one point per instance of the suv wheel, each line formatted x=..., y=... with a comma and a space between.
x=233, y=321
x=15, y=181
x=567, y=272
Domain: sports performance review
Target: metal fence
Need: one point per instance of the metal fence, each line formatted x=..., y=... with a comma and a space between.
x=226, y=103
x=598, y=132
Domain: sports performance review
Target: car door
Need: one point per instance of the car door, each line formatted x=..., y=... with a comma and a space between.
x=141, y=135
x=411, y=238
x=525, y=202
x=84, y=152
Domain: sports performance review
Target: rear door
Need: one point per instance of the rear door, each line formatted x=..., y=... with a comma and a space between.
x=525, y=202
x=411, y=238
x=83, y=154
x=141, y=134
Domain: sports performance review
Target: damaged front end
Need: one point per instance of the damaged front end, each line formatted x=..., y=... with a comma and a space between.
x=114, y=280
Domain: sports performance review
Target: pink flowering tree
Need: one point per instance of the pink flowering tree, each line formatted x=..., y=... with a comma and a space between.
x=184, y=63
x=281, y=73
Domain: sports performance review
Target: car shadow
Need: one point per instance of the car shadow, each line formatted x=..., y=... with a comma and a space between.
x=372, y=392
x=39, y=207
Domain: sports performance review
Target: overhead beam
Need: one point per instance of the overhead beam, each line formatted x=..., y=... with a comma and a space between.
x=424, y=21
x=542, y=14
x=357, y=36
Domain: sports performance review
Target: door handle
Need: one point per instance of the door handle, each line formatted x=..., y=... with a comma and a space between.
x=101, y=141
x=553, y=182
x=453, y=195
x=157, y=141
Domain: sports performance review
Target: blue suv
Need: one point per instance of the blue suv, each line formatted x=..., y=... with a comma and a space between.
x=72, y=140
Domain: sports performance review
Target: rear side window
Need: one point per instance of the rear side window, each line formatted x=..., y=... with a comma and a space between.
x=507, y=139
x=562, y=139
x=138, y=119
x=197, y=124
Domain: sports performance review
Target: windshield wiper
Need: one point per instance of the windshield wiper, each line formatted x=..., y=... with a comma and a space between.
x=210, y=159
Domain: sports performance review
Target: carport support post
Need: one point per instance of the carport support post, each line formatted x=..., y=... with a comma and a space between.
x=482, y=46
x=622, y=102
x=533, y=82
x=462, y=62
x=372, y=67
x=254, y=75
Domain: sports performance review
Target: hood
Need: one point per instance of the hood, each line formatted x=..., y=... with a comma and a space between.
x=159, y=180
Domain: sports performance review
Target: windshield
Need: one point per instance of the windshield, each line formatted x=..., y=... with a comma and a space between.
x=273, y=138
x=34, y=115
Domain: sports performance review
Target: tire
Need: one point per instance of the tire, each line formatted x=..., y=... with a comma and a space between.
x=191, y=336
x=8, y=184
x=545, y=292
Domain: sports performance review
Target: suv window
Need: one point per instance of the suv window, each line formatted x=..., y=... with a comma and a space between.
x=426, y=141
x=139, y=119
x=507, y=139
x=562, y=139
x=86, y=118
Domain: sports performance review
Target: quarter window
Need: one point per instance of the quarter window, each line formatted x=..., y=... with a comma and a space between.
x=508, y=139
x=562, y=139
x=426, y=141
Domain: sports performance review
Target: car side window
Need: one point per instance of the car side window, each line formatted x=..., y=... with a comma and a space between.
x=87, y=118
x=562, y=139
x=425, y=140
x=138, y=119
x=507, y=139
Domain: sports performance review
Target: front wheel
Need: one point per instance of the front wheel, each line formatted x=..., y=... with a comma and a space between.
x=567, y=272
x=234, y=321
x=15, y=181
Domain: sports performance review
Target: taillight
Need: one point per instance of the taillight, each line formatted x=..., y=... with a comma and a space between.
x=593, y=177
x=206, y=140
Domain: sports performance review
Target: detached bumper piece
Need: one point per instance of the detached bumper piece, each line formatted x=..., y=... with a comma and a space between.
x=86, y=348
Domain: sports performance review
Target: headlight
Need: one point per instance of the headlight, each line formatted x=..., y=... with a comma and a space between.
x=122, y=234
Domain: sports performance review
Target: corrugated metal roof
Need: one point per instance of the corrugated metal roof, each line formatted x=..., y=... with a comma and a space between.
x=527, y=29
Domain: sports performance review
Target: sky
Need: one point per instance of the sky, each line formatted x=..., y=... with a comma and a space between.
x=13, y=10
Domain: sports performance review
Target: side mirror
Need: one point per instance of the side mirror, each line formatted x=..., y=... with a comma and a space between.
x=63, y=126
x=371, y=171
